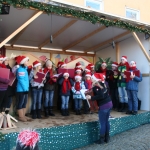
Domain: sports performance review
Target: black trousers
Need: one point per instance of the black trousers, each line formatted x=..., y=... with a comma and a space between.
x=3, y=100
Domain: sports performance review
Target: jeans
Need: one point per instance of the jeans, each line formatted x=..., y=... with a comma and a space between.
x=21, y=100
x=132, y=100
x=123, y=95
x=78, y=103
x=104, y=121
x=36, y=98
x=48, y=98
x=64, y=102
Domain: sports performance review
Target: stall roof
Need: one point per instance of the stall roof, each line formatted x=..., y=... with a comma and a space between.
x=69, y=33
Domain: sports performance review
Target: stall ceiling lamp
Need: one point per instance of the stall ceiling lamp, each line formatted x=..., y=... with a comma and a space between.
x=113, y=44
x=74, y=51
x=91, y=52
x=25, y=46
x=51, y=49
x=7, y=44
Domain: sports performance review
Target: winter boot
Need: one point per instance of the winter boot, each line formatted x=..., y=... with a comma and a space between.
x=126, y=106
x=67, y=112
x=46, y=112
x=34, y=116
x=129, y=112
x=77, y=112
x=39, y=113
x=122, y=108
x=63, y=112
x=101, y=140
x=50, y=111
x=107, y=137
x=21, y=115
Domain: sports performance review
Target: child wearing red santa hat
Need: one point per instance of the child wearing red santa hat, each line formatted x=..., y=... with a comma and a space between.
x=123, y=97
x=77, y=96
x=36, y=89
x=66, y=84
x=92, y=68
x=22, y=87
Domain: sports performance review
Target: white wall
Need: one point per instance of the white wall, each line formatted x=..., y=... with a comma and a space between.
x=131, y=49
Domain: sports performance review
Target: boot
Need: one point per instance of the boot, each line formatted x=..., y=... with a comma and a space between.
x=128, y=112
x=107, y=137
x=101, y=140
x=39, y=113
x=46, y=112
x=77, y=112
x=63, y=112
x=24, y=113
x=66, y=112
x=34, y=114
x=126, y=106
x=21, y=115
x=50, y=111
x=122, y=108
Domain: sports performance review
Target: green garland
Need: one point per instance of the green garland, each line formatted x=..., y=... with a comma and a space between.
x=75, y=13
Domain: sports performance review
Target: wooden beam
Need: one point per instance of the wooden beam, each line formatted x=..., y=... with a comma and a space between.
x=141, y=45
x=84, y=38
x=46, y=51
x=20, y=28
x=59, y=32
x=145, y=74
x=117, y=53
x=106, y=42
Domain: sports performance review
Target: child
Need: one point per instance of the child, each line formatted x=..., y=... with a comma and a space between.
x=92, y=68
x=103, y=69
x=65, y=92
x=78, y=85
x=123, y=66
x=132, y=89
x=37, y=90
x=22, y=87
x=49, y=88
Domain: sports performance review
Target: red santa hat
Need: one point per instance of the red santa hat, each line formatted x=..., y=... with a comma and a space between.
x=1, y=58
x=88, y=74
x=36, y=63
x=124, y=57
x=87, y=68
x=5, y=58
x=104, y=64
x=66, y=74
x=78, y=65
x=114, y=64
x=91, y=65
x=28, y=139
x=133, y=63
x=98, y=77
x=22, y=59
x=61, y=64
x=78, y=77
x=78, y=69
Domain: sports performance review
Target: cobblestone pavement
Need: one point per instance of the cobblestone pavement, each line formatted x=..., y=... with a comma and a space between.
x=134, y=139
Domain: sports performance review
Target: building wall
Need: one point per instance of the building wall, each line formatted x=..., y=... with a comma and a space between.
x=131, y=49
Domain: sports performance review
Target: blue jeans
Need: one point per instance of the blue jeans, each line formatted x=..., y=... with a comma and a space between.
x=64, y=102
x=78, y=103
x=21, y=100
x=36, y=98
x=104, y=121
x=132, y=100
x=48, y=98
x=123, y=97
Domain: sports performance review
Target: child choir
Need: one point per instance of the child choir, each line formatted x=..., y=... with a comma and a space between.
x=123, y=94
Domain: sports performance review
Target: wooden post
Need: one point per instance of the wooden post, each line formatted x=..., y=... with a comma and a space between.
x=20, y=28
x=141, y=45
x=117, y=53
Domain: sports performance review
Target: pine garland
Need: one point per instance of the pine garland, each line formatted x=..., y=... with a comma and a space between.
x=91, y=17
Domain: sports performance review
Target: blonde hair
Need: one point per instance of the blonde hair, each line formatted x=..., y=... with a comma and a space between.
x=95, y=82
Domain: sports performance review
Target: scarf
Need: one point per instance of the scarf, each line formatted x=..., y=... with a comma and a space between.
x=125, y=64
x=66, y=86
x=103, y=71
x=2, y=66
x=133, y=68
x=89, y=83
x=77, y=86
x=48, y=70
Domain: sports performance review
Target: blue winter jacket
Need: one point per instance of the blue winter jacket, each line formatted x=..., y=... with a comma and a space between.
x=133, y=84
x=22, y=79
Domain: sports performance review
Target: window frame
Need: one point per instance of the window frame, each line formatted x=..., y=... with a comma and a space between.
x=132, y=10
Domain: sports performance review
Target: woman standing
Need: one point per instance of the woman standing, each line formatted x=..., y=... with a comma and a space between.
x=102, y=97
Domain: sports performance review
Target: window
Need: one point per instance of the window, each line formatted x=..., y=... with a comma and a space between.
x=132, y=14
x=95, y=4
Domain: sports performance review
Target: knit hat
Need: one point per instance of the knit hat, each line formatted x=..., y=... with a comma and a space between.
x=78, y=65
x=104, y=64
x=22, y=59
x=78, y=77
x=60, y=64
x=48, y=62
x=88, y=74
x=66, y=74
x=77, y=69
x=87, y=68
x=133, y=63
x=36, y=63
x=124, y=57
x=114, y=64
x=1, y=58
x=98, y=77
x=91, y=65
x=27, y=140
